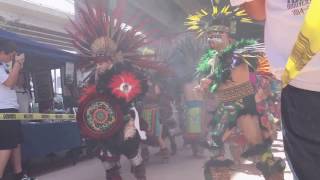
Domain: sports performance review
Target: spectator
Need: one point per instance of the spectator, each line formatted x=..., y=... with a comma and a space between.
x=10, y=131
x=301, y=98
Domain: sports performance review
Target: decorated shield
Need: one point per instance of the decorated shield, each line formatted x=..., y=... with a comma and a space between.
x=98, y=118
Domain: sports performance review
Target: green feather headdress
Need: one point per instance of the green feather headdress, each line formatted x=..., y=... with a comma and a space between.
x=219, y=65
x=204, y=67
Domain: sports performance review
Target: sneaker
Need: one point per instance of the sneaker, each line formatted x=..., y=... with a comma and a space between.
x=139, y=172
x=113, y=174
x=273, y=170
x=24, y=177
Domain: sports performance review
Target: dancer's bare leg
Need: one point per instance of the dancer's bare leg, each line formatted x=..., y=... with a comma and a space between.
x=249, y=125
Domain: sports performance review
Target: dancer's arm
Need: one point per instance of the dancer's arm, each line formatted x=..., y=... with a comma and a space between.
x=254, y=8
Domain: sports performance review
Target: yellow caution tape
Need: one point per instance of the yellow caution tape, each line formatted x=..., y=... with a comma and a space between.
x=36, y=116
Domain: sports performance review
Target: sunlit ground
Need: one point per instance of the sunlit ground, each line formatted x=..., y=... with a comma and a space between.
x=180, y=167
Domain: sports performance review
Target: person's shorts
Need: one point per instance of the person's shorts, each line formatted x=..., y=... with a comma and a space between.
x=300, y=120
x=10, y=132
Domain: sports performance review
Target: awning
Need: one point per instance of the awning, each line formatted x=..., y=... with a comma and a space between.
x=35, y=49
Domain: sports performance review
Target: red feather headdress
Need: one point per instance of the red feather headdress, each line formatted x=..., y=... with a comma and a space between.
x=100, y=36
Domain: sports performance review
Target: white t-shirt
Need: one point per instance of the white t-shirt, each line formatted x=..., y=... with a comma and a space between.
x=283, y=23
x=8, y=97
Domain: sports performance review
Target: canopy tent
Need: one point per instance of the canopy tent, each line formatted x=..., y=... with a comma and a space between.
x=37, y=53
x=40, y=60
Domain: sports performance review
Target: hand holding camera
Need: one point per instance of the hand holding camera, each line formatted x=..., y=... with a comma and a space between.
x=19, y=59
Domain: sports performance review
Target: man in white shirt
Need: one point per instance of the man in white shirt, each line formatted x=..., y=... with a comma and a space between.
x=7, y=94
x=301, y=98
x=10, y=131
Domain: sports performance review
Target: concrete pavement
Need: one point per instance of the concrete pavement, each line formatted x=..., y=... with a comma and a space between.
x=180, y=167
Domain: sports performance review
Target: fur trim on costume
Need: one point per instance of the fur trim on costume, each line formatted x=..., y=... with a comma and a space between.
x=258, y=149
x=113, y=174
x=137, y=160
x=217, y=173
x=139, y=172
x=272, y=170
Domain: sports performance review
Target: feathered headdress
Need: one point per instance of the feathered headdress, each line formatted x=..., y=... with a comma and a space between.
x=254, y=56
x=100, y=36
x=221, y=17
x=186, y=55
x=247, y=51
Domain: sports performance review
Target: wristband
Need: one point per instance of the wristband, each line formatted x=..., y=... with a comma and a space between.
x=20, y=64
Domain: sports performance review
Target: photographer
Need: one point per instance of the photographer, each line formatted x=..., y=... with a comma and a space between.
x=10, y=131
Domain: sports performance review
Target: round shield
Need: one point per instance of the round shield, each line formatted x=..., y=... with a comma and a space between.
x=98, y=118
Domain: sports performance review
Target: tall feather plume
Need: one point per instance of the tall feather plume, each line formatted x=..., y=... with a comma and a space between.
x=188, y=51
x=202, y=20
x=111, y=38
